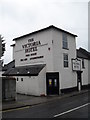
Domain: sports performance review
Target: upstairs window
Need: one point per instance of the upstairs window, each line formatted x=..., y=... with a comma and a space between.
x=64, y=41
x=83, y=65
x=65, y=60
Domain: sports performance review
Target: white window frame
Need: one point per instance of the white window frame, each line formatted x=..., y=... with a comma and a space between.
x=65, y=60
x=64, y=41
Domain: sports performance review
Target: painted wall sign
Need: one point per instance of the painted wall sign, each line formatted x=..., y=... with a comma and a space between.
x=76, y=64
x=31, y=50
x=31, y=46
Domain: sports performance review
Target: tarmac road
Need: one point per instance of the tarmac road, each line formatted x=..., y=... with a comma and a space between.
x=70, y=107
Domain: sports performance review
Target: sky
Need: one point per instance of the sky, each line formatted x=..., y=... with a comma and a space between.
x=19, y=17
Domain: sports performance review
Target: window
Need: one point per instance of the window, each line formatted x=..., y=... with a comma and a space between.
x=50, y=82
x=64, y=41
x=17, y=79
x=21, y=79
x=55, y=82
x=83, y=65
x=65, y=59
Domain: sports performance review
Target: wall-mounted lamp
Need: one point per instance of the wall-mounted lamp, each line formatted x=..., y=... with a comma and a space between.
x=28, y=72
x=17, y=72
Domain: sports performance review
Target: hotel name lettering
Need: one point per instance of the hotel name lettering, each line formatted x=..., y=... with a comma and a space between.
x=31, y=46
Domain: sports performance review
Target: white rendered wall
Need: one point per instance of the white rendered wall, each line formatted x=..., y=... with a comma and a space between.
x=67, y=76
x=34, y=85
x=85, y=72
x=29, y=85
x=45, y=39
x=42, y=82
x=14, y=52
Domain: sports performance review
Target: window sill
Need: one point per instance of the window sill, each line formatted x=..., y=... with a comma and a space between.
x=83, y=68
x=65, y=48
x=66, y=67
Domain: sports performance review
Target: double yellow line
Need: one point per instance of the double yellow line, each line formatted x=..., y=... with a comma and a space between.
x=10, y=110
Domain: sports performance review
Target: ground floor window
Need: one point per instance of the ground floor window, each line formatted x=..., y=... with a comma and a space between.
x=21, y=79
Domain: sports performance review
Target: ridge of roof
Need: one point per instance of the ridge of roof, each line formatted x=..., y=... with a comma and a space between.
x=49, y=27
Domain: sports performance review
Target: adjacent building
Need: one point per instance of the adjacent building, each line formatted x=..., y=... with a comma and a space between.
x=84, y=57
x=8, y=88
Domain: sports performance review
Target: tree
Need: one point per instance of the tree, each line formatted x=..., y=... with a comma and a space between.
x=2, y=46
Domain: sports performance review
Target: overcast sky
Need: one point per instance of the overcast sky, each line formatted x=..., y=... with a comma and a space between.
x=19, y=17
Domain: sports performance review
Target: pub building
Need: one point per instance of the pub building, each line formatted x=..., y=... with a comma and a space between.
x=46, y=63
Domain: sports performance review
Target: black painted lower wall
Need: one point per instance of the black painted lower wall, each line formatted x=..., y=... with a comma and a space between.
x=68, y=90
x=86, y=87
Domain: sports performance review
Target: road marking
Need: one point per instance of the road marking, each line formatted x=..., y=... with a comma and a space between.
x=15, y=109
x=71, y=110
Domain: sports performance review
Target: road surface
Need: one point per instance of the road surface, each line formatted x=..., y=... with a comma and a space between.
x=70, y=107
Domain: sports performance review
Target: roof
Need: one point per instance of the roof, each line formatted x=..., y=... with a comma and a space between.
x=82, y=53
x=31, y=70
x=9, y=65
x=51, y=26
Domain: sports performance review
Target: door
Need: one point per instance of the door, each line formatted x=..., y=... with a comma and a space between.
x=79, y=80
x=52, y=83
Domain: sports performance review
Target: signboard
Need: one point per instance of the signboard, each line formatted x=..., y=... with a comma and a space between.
x=76, y=64
x=31, y=46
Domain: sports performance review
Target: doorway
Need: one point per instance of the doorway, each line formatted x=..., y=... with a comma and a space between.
x=52, y=83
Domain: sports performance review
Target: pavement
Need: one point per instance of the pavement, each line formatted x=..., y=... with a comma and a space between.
x=26, y=100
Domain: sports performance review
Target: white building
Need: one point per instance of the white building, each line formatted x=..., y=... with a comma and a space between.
x=45, y=62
